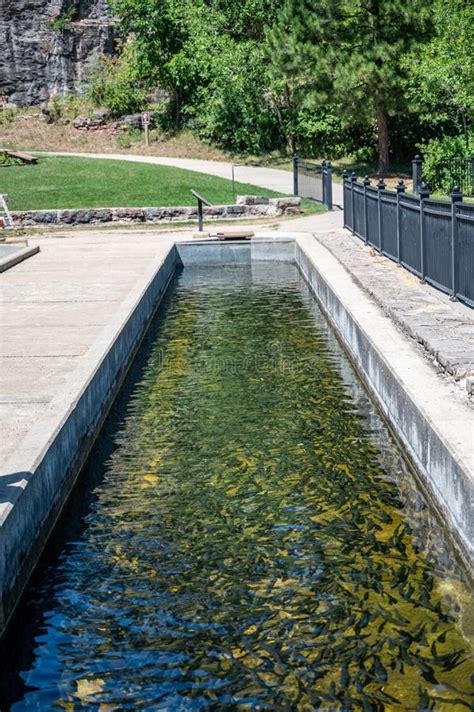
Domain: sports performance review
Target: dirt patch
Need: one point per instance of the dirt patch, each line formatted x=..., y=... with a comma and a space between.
x=31, y=132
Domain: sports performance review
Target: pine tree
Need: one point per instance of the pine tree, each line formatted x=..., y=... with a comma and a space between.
x=349, y=52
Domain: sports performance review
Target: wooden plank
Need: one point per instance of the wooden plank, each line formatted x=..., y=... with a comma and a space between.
x=235, y=235
x=25, y=157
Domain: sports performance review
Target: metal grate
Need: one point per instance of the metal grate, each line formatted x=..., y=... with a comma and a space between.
x=313, y=181
x=310, y=180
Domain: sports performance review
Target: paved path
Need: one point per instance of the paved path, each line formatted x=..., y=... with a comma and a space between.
x=443, y=329
x=271, y=178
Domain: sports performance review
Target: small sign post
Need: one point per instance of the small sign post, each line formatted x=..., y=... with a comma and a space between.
x=146, y=124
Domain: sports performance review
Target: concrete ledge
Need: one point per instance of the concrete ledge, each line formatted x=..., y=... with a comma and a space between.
x=16, y=256
x=38, y=479
x=208, y=253
x=434, y=426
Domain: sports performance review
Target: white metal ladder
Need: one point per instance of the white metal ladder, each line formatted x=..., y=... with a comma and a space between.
x=6, y=213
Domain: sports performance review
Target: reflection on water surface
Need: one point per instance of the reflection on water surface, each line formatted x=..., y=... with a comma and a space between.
x=252, y=539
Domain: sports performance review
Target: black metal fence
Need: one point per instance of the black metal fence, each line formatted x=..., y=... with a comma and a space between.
x=448, y=172
x=434, y=239
x=313, y=180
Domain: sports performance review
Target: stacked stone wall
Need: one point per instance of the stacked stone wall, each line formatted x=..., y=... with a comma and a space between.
x=247, y=206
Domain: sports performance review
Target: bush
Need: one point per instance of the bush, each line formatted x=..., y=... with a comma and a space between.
x=6, y=160
x=129, y=137
x=66, y=108
x=8, y=116
x=62, y=21
x=232, y=120
x=436, y=172
x=321, y=133
x=123, y=140
x=232, y=110
x=113, y=84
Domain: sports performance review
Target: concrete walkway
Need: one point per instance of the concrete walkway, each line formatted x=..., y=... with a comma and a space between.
x=53, y=307
x=271, y=178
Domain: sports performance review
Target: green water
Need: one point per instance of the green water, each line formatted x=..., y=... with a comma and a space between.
x=252, y=538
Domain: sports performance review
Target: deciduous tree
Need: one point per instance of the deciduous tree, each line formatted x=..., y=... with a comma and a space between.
x=441, y=72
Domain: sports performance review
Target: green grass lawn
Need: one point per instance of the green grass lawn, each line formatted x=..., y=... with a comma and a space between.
x=70, y=182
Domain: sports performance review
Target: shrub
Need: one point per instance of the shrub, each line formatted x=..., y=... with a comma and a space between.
x=232, y=110
x=113, y=84
x=321, y=133
x=66, y=108
x=127, y=138
x=436, y=172
x=6, y=160
x=8, y=116
x=62, y=21
x=123, y=140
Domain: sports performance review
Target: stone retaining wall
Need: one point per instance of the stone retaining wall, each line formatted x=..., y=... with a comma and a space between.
x=247, y=206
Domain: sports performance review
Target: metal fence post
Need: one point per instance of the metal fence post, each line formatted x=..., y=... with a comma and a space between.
x=456, y=197
x=416, y=169
x=344, y=206
x=295, y=174
x=353, y=181
x=200, y=216
x=400, y=188
x=366, y=183
x=328, y=185
x=323, y=180
x=200, y=202
x=380, y=186
x=424, y=195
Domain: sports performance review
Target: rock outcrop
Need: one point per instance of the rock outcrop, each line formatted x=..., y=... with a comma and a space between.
x=47, y=45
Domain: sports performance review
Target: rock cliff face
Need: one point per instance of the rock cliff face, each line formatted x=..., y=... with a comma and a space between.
x=45, y=46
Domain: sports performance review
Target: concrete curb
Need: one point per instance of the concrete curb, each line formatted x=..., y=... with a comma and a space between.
x=18, y=256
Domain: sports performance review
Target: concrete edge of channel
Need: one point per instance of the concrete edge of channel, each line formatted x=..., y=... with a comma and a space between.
x=52, y=453
x=435, y=429
x=18, y=256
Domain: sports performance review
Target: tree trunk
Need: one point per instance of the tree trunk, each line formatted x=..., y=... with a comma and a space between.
x=465, y=129
x=176, y=107
x=382, y=137
x=290, y=138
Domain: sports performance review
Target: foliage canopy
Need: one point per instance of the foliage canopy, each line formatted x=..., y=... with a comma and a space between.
x=324, y=77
